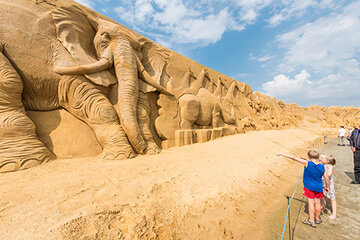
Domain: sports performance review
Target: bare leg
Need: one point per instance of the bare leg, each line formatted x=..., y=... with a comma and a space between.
x=89, y=104
x=311, y=206
x=323, y=204
x=19, y=145
x=334, y=209
x=317, y=208
x=143, y=114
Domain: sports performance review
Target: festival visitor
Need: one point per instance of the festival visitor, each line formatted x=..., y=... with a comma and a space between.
x=329, y=162
x=348, y=134
x=341, y=136
x=313, y=186
x=355, y=147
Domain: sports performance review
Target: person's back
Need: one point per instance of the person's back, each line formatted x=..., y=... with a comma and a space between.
x=341, y=136
x=313, y=176
x=355, y=147
x=355, y=139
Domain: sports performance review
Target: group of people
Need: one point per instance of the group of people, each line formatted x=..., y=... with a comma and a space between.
x=353, y=136
x=343, y=134
x=354, y=142
x=318, y=183
x=318, y=176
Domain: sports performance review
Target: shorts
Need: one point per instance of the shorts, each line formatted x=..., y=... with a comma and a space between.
x=312, y=194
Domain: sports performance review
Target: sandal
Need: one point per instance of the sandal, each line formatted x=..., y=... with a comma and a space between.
x=318, y=221
x=307, y=222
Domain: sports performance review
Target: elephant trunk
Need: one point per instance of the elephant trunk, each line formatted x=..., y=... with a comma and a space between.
x=128, y=91
x=229, y=117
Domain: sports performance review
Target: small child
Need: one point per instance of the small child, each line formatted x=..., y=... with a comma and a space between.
x=313, y=186
x=329, y=162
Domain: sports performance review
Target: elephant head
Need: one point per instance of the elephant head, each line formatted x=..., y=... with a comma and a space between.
x=229, y=116
x=117, y=47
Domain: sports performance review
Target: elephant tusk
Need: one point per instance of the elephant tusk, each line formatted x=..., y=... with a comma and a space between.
x=149, y=80
x=95, y=67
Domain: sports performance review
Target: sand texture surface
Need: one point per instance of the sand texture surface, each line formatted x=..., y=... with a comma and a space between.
x=223, y=189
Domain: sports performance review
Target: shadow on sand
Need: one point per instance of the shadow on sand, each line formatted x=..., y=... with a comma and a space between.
x=350, y=175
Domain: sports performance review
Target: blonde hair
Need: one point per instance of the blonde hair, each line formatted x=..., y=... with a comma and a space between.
x=331, y=160
x=313, y=154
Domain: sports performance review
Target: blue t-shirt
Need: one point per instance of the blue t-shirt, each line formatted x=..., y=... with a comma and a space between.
x=312, y=176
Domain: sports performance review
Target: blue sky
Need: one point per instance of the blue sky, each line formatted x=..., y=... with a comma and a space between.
x=302, y=51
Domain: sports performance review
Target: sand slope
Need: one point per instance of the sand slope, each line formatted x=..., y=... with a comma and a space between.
x=217, y=190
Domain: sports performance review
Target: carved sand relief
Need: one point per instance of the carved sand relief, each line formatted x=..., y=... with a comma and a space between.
x=202, y=113
x=136, y=96
x=97, y=70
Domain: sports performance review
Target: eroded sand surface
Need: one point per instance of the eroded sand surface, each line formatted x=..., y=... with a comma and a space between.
x=224, y=189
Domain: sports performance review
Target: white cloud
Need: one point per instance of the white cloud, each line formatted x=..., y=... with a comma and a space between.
x=324, y=44
x=297, y=8
x=276, y=19
x=249, y=16
x=284, y=86
x=265, y=58
x=240, y=75
x=195, y=23
x=339, y=88
x=144, y=10
x=88, y=3
x=178, y=21
x=259, y=4
x=260, y=59
x=329, y=49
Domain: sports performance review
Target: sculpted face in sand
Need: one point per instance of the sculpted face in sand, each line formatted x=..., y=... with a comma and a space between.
x=115, y=47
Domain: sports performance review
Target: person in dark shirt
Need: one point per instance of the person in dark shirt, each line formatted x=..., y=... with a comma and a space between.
x=355, y=147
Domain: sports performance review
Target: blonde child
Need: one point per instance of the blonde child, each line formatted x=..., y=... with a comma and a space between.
x=313, y=186
x=329, y=162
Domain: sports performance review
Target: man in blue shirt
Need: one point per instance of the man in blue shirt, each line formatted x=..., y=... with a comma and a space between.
x=355, y=147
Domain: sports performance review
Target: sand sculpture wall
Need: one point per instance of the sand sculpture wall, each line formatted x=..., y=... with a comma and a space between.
x=108, y=90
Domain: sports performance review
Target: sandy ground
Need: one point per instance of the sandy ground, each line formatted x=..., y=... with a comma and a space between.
x=347, y=225
x=229, y=188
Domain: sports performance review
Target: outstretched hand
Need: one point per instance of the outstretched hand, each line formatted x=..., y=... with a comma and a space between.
x=300, y=160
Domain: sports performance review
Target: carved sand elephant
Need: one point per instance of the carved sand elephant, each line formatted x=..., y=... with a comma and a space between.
x=29, y=49
x=118, y=47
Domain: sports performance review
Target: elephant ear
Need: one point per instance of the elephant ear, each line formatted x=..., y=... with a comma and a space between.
x=76, y=35
x=154, y=59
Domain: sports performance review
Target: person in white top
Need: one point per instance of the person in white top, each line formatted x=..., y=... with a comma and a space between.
x=341, y=136
x=348, y=134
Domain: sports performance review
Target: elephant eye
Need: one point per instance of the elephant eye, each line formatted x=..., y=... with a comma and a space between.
x=103, y=45
x=105, y=36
